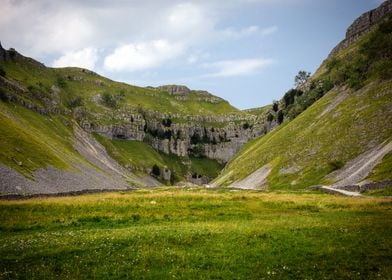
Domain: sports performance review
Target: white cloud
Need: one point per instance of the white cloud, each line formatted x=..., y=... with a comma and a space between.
x=231, y=32
x=197, y=56
x=140, y=56
x=238, y=67
x=60, y=32
x=192, y=59
x=248, y=31
x=189, y=20
x=40, y=27
x=85, y=58
x=68, y=30
x=269, y=30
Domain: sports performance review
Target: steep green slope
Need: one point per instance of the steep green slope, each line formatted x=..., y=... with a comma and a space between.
x=30, y=141
x=50, y=155
x=83, y=88
x=142, y=157
x=49, y=115
x=259, y=110
x=351, y=119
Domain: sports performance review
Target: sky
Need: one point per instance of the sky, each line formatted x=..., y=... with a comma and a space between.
x=245, y=51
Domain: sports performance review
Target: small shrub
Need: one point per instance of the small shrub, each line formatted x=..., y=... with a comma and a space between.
x=135, y=217
x=3, y=95
x=280, y=116
x=37, y=92
x=382, y=69
x=167, y=122
x=290, y=96
x=195, y=138
x=60, y=81
x=12, y=52
x=179, y=135
x=108, y=100
x=198, y=150
x=294, y=110
x=332, y=63
x=2, y=72
x=275, y=107
x=75, y=102
x=335, y=165
x=148, y=139
x=167, y=134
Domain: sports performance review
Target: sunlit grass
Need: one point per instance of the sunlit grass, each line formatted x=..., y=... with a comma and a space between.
x=196, y=234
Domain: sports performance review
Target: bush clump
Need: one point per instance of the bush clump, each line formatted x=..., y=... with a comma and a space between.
x=2, y=72
x=335, y=165
x=75, y=102
x=108, y=100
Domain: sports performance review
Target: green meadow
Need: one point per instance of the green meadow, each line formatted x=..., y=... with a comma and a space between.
x=171, y=233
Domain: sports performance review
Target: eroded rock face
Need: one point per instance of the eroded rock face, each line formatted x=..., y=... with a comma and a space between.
x=217, y=138
x=362, y=25
x=175, y=89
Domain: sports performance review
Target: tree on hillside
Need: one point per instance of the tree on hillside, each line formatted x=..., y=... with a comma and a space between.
x=275, y=106
x=301, y=78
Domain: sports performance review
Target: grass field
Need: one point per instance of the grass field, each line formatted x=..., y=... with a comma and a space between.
x=196, y=234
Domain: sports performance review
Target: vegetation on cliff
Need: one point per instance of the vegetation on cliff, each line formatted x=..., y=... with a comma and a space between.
x=40, y=107
x=340, y=113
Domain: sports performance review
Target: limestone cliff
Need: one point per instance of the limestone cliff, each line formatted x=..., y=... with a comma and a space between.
x=363, y=25
x=185, y=135
x=209, y=136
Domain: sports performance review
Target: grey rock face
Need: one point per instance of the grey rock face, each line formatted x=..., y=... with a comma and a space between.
x=166, y=174
x=217, y=138
x=175, y=89
x=362, y=25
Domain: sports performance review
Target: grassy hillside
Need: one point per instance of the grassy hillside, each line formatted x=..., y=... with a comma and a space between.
x=39, y=106
x=199, y=234
x=83, y=88
x=30, y=141
x=350, y=119
x=142, y=157
x=259, y=110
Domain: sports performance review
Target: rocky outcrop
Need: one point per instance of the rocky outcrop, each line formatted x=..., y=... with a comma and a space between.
x=362, y=25
x=174, y=89
x=367, y=186
x=217, y=138
x=13, y=55
x=12, y=91
x=2, y=53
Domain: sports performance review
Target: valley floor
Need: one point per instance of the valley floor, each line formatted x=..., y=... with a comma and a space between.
x=197, y=234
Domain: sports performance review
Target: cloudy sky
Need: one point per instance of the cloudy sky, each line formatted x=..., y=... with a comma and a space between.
x=246, y=51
